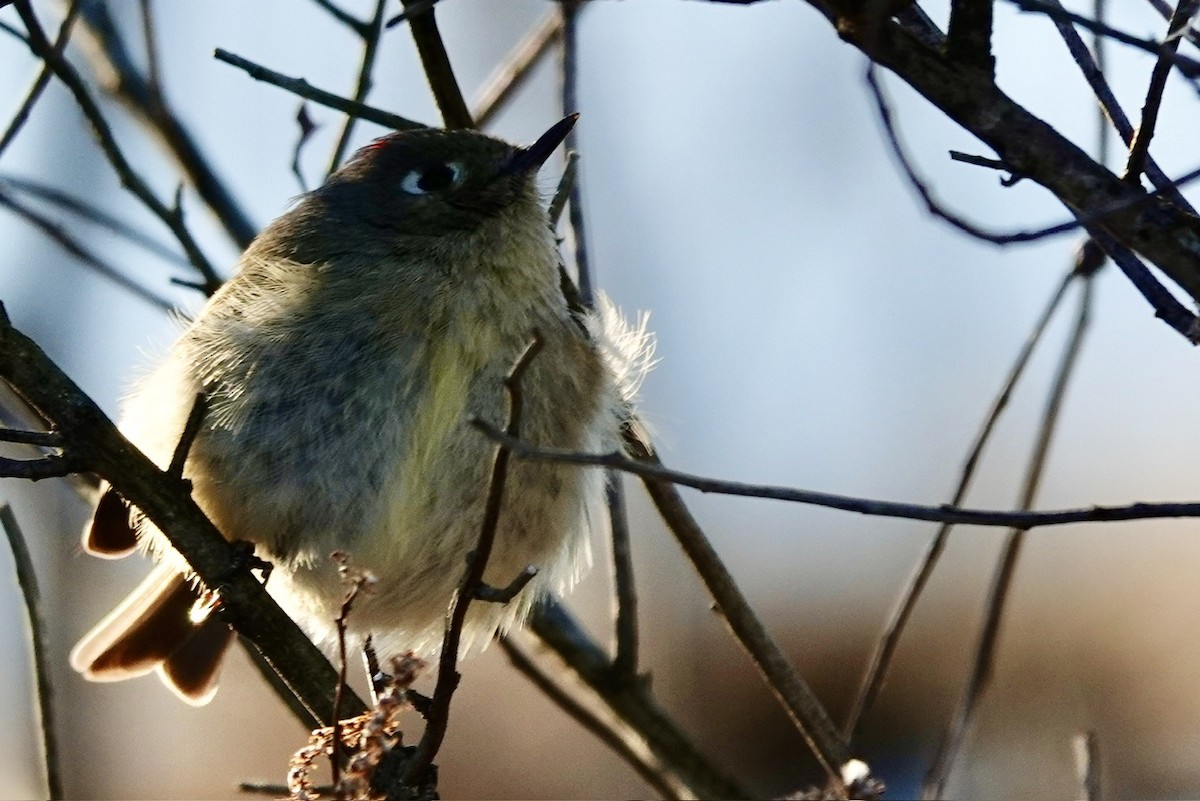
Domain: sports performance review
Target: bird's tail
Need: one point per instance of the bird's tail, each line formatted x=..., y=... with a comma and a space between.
x=163, y=625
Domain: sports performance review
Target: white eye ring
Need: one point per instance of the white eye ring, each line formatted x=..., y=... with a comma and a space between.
x=431, y=179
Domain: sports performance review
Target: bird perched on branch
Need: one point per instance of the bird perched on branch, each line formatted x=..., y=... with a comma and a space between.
x=339, y=369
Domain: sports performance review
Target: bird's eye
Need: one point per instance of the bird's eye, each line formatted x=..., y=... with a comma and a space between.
x=434, y=178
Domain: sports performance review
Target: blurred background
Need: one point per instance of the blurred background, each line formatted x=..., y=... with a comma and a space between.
x=816, y=328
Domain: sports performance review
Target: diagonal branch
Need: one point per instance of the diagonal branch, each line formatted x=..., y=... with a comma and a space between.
x=371, y=33
x=41, y=81
x=130, y=179
x=881, y=659
x=302, y=88
x=1139, y=151
x=97, y=446
x=1164, y=234
x=989, y=637
x=517, y=66
x=129, y=84
x=435, y=60
x=633, y=702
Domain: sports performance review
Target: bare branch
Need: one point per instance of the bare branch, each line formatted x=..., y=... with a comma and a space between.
x=985, y=656
x=43, y=689
x=108, y=143
x=1139, y=150
x=801, y=704
x=93, y=214
x=1187, y=66
x=936, y=514
x=570, y=94
x=41, y=81
x=517, y=66
x=1094, y=75
x=626, y=628
x=125, y=80
x=633, y=702
x=371, y=33
x=1164, y=234
x=448, y=677
x=351, y=22
x=881, y=659
x=423, y=25
x=969, y=35
x=84, y=255
x=302, y=88
x=605, y=731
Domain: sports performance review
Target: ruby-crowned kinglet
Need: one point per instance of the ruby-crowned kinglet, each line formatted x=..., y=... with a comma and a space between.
x=340, y=367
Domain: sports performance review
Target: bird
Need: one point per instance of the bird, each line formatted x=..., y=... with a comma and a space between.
x=338, y=371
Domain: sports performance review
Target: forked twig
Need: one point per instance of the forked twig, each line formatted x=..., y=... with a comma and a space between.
x=472, y=580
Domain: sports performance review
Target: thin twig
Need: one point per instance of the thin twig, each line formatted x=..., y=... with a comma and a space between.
x=350, y=21
x=371, y=34
x=605, y=731
x=307, y=127
x=41, y=81
x=43, y=439
x=570, y=10
x=112, y=151
x=1188, y=66
x=565, y=185
x=153, y=73
x=422, y=22
x=1093, y=72
x=13, y=32
x=625, y=660
x=985, y=655
x=302, y=88
x=61, y=237
x=934, y=207
x=881, y=659
x=191, y=428
x=43, y=689
x=801, y=704
x=1139, y=150
x=124, y=79
x=93, y=214
x=1100, y=49
x=448, y=676
x=1166, y=307
x=517, y=66
x=358, y=581
x=633, y=702
x=502, y=595
x=655, y=471
x=1163, y=8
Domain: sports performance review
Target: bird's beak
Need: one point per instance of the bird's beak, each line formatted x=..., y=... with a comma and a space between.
x=529, y=159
